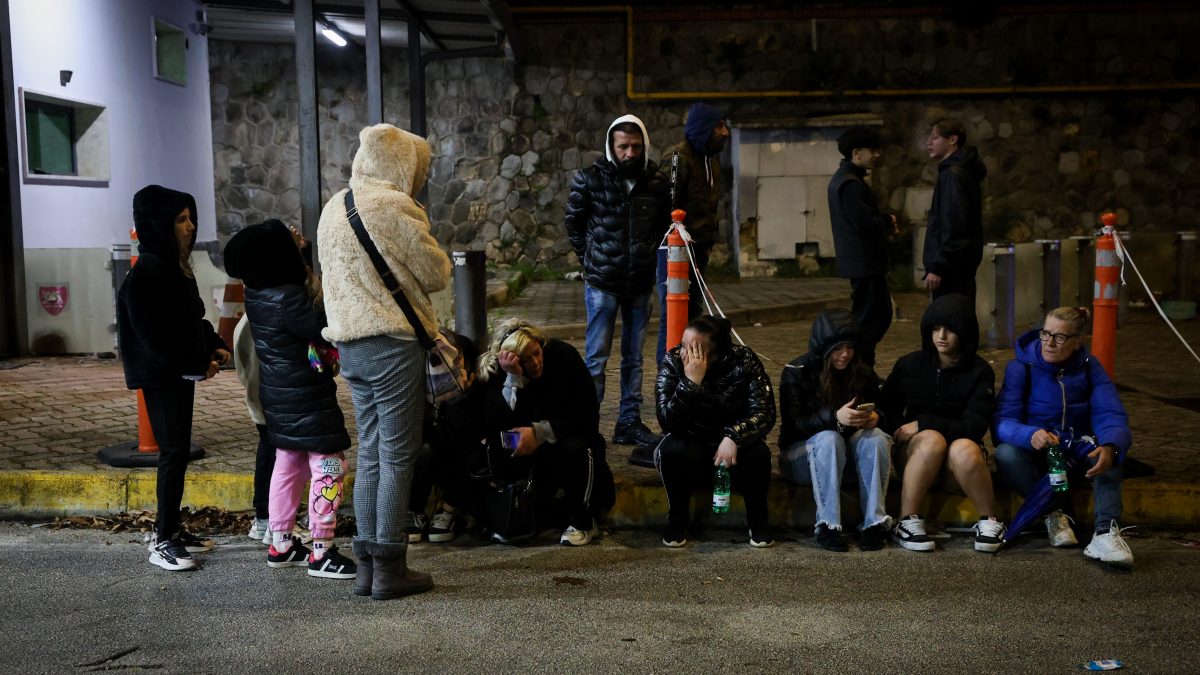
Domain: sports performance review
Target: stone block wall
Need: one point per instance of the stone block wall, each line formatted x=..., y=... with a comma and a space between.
x=507, y=138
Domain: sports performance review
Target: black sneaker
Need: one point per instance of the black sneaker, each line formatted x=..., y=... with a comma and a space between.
x=195, y=544
x=830, y=539
x=171, y=555
x=910, y=534
x=634, y=433
x=643, y=455
x=873, y=538
x=333, y=566
x=417, y=523
x=761, y=536
x=445, y=526
x=675, y=536
x=296, y=556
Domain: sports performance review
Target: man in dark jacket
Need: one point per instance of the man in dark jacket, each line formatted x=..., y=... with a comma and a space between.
x=716, y=406
x=860, y=237
x=692, y=169
x=954, y=238
x=616, y=213
x=941, y=399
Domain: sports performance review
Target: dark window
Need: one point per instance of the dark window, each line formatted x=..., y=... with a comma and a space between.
x=50, y=138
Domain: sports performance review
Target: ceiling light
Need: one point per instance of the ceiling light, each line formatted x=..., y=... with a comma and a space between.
x=332, y=34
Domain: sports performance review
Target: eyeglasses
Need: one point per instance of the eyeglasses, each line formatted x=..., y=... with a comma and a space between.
x=1059, y=338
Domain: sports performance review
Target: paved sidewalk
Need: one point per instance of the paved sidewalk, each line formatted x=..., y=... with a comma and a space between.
x=55, y=413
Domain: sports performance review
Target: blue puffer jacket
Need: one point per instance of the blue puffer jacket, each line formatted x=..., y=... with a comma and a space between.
x=1092, y=405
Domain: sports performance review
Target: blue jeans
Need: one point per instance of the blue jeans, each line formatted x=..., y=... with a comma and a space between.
x=821, y=461
x=601, y=319
x=1024, y=467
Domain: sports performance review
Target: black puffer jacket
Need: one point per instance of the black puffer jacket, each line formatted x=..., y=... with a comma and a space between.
x=957, y=402
x=615, y=231
x=161, y=329
x=954, y=239
x=859, y=229
x=802, y=414
x=299, y=403
x=734, y=400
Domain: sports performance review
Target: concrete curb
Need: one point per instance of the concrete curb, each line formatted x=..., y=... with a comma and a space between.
x=641, y=502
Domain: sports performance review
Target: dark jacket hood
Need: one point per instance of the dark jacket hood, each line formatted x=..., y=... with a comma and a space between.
x=154, y=211
x=832, y=328
x=968, y=158
x=1029, y=350
x=956, y=312
x=264, y=256
x=701, y=120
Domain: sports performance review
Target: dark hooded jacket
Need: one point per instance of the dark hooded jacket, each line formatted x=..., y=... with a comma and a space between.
x=1035, y=392
x=859, y=229
x=957, y=401
x=615, y=231
x=954, y=238
x=734, y=400
x=300, y=404
x=697, y=175
x=802, y=414
x=161, y=329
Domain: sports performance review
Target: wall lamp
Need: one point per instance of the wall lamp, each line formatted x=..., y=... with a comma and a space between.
x=332, y=34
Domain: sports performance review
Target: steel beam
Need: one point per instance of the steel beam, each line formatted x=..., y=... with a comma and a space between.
x=310, y=139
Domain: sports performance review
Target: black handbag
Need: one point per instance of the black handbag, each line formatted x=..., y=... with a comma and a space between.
x=509, y=508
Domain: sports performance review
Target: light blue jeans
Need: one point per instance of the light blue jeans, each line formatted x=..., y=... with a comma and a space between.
x=602, y=311
x=821, y=462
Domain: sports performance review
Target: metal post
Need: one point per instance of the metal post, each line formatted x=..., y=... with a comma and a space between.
x=1123, y=289
x=1185, y=267
x=14, y=329
x=1086, y=253
x=1003, y=330
x=470, y=297
x=1051, y=274
x=310, y=140
x=374, y=75
x=416, y=78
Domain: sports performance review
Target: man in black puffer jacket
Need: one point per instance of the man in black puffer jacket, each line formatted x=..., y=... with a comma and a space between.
x=941, y=398
x=617, y=212
x=716, y=406
x=954, y=238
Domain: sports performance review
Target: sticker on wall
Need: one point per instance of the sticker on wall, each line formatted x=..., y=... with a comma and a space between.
x=53, y=296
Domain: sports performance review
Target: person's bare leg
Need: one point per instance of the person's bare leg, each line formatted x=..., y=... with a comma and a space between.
x=966, y=463
x=926, y=452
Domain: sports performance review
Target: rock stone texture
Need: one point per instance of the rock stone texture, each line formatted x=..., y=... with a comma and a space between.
x=508, y=137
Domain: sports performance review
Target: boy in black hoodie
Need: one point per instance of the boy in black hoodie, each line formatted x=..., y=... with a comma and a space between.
x=941, y=399
x=954, y=238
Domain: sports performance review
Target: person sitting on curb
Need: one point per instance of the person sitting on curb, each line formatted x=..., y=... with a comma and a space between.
x=1054, y=386
x=716, y=406
x=828, y=417
x=540, y=388
x=941, y=398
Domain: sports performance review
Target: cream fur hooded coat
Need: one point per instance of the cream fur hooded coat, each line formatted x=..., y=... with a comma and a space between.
x=389, y=167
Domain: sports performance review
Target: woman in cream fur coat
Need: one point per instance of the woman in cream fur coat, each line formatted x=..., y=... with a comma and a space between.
x=380, y=356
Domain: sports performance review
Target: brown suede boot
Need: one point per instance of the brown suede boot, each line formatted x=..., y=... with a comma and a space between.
x=362, y=580
x=392, y=578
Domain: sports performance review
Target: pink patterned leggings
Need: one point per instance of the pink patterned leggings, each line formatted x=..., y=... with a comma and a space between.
x=293, y=469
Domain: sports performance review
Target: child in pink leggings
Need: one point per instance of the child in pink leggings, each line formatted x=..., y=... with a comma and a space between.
x=297, y=392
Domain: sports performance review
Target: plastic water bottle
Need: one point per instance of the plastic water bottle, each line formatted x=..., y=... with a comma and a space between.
x=721, y=482
x=1057, y=468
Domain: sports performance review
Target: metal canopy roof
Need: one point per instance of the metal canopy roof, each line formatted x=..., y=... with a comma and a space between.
x=446, y=25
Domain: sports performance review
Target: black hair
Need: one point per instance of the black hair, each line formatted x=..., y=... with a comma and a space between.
x=947, y=128
x=858, y=137
x=628, y=128
x=718, y=330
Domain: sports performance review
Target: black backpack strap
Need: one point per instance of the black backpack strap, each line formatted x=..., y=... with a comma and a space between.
x=385, y=272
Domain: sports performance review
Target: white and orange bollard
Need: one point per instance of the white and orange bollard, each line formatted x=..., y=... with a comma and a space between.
x=231, y=307
x=1105, y=295
x=677, y=281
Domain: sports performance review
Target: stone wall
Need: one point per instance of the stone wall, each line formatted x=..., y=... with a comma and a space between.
x=507, y=137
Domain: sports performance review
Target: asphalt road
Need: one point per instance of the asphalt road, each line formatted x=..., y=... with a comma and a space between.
x=79, y=601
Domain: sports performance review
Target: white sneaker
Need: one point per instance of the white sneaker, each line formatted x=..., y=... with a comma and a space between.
x=1058, y=529
x=910, y=534
x=1110, y=547
x=171, y=555
x=989, y=535
x=576, y=537
x=260, y=530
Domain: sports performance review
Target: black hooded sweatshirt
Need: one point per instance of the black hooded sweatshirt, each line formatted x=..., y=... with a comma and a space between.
x=956, y=402
x=802, y=414
x=161, y=330
x=954, y=239
x=300, y=404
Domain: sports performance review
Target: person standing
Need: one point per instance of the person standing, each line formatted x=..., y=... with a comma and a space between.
x=166, y=347
x=954, y=238
x=860, y=234
x=692, y=169
x=381, y=359
x=616, y=212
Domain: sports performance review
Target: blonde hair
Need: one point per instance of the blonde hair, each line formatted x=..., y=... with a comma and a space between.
x=516, y=336
x=522, y=339
x=1075, y=317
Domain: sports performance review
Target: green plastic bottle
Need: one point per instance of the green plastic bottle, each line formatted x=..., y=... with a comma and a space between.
x=721, y=481
x=1057, y=468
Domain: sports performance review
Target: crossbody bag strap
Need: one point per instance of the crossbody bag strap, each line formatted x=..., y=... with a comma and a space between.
x=385, y=272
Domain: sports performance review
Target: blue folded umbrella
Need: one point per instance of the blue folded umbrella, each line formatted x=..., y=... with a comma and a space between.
x=1042, y=497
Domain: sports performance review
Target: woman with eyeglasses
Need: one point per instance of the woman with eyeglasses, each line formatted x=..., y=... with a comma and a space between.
x=1054, y=387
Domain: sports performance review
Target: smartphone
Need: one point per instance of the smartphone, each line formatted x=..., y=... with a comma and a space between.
x=865, y=407
x=510, y=439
